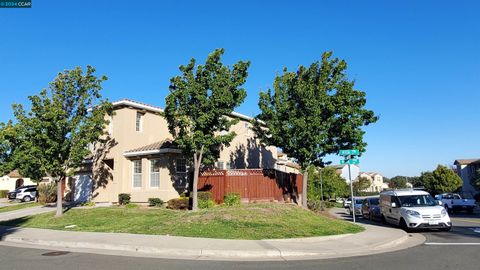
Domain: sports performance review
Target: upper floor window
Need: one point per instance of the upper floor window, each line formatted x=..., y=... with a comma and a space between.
x=138, y=122
x=137, y=173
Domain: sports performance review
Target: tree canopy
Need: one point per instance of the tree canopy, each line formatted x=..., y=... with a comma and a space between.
x=53, y=135
x=361, y=185
x=398, y=182
x=442, y=179
x=198, y=107
x=329, y=180
x=313, y=112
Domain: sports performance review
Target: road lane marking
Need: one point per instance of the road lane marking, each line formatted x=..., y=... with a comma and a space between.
x=451, y=244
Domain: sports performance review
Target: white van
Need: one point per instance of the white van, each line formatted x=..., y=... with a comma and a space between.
x=413, y=209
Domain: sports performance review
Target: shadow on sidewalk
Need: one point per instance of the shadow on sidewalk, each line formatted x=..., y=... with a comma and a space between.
x=11, y=226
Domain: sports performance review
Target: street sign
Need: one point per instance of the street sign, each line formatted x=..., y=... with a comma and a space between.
x=349, y=152
x=354, y=161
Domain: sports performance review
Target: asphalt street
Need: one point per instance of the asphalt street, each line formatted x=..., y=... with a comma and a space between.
x=457, y=249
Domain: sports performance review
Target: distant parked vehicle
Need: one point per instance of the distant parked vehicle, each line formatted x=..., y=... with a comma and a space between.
x=371, y=208
x=347, y=202
x=12, y=195
x=454, y=202
x=26, y=194
x=358, y=207
x=413, y=209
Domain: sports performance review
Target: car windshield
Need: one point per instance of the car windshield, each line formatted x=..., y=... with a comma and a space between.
x=358, y=201
x=374, y=201
x=416, y=200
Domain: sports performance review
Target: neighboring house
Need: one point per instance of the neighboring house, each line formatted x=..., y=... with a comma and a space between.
x=376, y=181
x=286, y=164
x=342, y=170
x=14, y=180
x=466, y=169
x=138, y=157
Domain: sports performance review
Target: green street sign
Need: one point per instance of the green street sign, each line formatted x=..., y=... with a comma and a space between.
x=349, y=152
x=354, y=161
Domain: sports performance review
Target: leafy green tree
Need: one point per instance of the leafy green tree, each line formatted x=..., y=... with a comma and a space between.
x=313, y=112
x=441, y=180
x=55, y=133
x=327, y=178
x=398, y=182
x=198, y=106
x=360, y=185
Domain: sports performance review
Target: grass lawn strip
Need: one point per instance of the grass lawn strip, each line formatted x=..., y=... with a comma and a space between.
x=250, y=221
x=17, y=206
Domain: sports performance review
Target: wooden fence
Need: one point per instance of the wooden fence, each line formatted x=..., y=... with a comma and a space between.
x=252, y=184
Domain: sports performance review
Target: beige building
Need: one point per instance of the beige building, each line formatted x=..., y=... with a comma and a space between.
x=376, y=181
x=14, y=180
x=139, y=158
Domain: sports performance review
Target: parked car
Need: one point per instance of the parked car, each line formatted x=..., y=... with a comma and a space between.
x=454, y=202
x=12, y=195
x=347, y=202
x=371, y=208
x=358, y=207
x=26, y=194
x=413, y=209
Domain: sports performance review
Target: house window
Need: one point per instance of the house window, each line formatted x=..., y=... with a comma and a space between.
x=155, y=173
x=138, y=122
x=181, y=166
x=220, y=165
x=228, y=165
x=137, y=173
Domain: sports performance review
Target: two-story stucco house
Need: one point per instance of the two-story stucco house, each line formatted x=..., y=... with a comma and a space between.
x=139, y=158
x=466, y=169
x=376, y=181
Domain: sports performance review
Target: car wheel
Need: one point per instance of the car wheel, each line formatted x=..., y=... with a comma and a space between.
x=27, y=198
x=384, y=221
x=470, y=211
x=370, y=216
x=404, y=226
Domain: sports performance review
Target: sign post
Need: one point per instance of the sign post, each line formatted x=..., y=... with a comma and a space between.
x=349, y=159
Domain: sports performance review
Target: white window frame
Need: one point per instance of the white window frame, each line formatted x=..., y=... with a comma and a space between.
x=139, y=122
x=136, y=174
x=152, y=173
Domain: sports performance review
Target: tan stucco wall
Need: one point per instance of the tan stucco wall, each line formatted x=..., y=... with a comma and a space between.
x=155, y=129
x=7, y=183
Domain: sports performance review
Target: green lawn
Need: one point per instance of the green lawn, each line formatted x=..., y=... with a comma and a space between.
x=250, y=221
x=17, y=206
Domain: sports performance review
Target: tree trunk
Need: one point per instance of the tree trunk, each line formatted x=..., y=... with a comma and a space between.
x=197, y=160
x=59, y=198
x=304, y=189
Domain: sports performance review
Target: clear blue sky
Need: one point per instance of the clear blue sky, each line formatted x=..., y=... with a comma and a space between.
x=418, y=61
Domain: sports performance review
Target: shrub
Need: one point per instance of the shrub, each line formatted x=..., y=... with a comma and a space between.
x=329, y=204
x=157, y=202
x=204, y=195
x=232, y=199
x=123, y=198
x=47, y=193
x=3, y=193
x=178, y=204
x=131, y=205
x=203, y=204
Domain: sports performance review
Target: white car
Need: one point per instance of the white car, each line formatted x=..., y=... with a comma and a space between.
x=454, y=202
x=26, y=194
x=413, y=209
x=358, y=207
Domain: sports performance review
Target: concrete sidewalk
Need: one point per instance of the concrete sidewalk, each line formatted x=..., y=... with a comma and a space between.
x=375, y=239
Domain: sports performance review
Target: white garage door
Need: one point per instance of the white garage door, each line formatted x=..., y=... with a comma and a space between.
x=83, y=188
